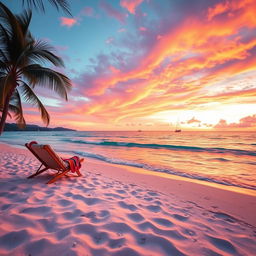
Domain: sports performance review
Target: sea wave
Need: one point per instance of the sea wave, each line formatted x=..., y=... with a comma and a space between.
x=157, y=169
x=164, y=146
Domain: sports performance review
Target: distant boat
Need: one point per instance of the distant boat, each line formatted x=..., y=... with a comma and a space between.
x=177, y=129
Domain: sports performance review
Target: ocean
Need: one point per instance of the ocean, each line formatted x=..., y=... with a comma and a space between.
x=227, y=158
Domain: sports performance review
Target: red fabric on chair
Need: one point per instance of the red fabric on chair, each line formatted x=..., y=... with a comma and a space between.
x=74, y=163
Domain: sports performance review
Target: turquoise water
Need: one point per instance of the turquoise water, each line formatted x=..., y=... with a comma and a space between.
x=227, y=158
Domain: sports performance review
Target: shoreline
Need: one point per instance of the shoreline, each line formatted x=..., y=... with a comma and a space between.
x=139, y=170
x=209, y=195
x=118, y=210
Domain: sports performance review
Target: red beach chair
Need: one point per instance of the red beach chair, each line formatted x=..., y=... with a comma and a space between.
x=50, y=160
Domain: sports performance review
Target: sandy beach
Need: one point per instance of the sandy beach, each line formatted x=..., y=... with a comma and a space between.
x=121, y=211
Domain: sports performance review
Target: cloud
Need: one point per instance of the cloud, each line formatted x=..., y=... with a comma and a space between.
x=246, y=122
x=218, y=9
x=193, y=120
x=227, y=7
x=142, y=29
x=109, y=40
x=112, y=12
x=181, y=62
x=68, y=22
x=130, y=5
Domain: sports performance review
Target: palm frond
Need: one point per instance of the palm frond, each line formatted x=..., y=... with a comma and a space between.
x=4, y=41
x=62, y=4
x=14, y=35
x=45, y=77
x=10, y=23
x=39, y=5
x=2, y=74
x=30, y=97
x=24, y=20
x=41, y=51
x=3, y=60
x=3, y=65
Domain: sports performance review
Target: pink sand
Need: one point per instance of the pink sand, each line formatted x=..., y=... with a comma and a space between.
x=119, y=211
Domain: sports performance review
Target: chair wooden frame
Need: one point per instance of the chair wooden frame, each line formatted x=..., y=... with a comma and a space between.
x=60, y=167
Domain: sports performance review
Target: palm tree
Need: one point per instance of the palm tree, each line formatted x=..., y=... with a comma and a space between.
x=21, y=70
x=38, y=4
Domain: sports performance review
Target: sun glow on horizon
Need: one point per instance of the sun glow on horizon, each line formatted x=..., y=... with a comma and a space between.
x=206, y=119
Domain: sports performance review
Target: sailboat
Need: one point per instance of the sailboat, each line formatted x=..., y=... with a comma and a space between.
x=177, y=129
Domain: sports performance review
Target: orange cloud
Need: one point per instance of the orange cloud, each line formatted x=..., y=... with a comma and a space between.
x=189, y=65
x=227, y=6
x=212, y=44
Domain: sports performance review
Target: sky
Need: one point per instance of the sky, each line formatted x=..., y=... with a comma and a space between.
x=151, y=64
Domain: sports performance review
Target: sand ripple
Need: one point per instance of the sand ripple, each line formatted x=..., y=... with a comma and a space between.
x=96, y=215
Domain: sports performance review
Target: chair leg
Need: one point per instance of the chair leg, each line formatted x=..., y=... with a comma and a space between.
x=78, y=173
x=38, y=172
x=56, y=177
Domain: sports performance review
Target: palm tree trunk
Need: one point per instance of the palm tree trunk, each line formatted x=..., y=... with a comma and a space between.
x=5, y=112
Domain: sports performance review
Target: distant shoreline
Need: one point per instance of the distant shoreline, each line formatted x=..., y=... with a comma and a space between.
x=33, y=128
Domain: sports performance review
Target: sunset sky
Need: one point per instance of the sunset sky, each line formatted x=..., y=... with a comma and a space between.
x=149, y=64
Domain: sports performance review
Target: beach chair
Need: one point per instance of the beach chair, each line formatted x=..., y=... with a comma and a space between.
x=50, y=160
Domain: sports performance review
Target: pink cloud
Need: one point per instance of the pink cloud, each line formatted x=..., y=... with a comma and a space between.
x=113, y=69
x=173, y=67
x=130, y=5
x=155, y=67
x=111, y=11
x=245, y=122
x=109, y=40
x=143, y=29
x=68, y=22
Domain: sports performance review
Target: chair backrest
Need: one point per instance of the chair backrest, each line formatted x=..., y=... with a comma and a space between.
x=46, y=155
